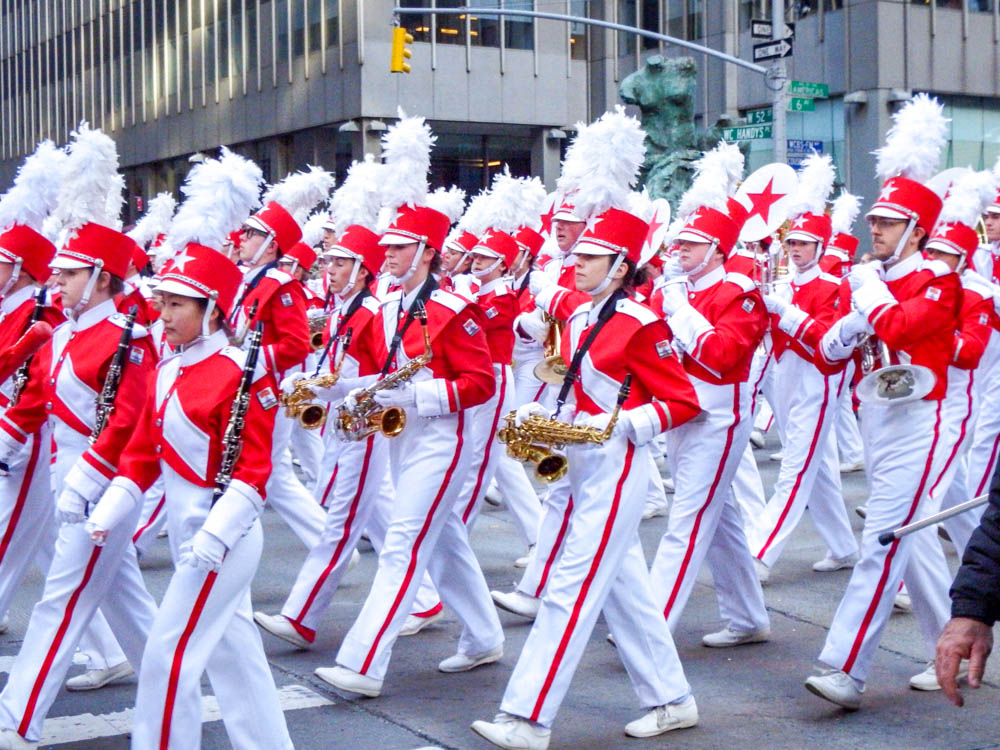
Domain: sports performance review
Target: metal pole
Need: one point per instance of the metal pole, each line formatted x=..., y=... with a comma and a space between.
x=890, y=535
x=779, y=78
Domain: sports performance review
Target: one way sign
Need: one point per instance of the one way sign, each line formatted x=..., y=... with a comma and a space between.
x=772, y=50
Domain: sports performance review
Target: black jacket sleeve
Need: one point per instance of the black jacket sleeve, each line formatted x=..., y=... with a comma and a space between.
x=975, y=592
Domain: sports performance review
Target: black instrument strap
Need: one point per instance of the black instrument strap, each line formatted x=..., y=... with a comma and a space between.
x=425, y=292
x=344, y=320
x=574, y=367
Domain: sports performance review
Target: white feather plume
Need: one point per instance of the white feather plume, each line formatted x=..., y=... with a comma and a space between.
x=359, y=197
x=476, y=218
x=35, y=191
x=508, y=206
x=846, y=208
x=449, y=201
x=219, y=196
x=300, y=192
x=533, y=196
x=406, y=152
x=155, y=221
x=640, y=204
x=816, y=178
x=914, y=142
x=604, y=164
x=716, y=175
x=116, y=201
x=968, y=198
x=312, y=230
x=88, y=180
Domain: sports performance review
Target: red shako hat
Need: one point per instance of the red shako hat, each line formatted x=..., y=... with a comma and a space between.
x=275, y=220
x=417, y=224
x=614, y=232
x=95, y=245
x=31, y=248
x=497, y=244
x=204, y=273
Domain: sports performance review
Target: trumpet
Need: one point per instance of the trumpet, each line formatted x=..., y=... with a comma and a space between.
x=366, y=417
x=553, y=368
x=298, y=404
x=317, y=325
x=537, y=439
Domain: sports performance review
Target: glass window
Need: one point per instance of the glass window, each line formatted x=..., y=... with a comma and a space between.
x=315, y=21
x=419, y=25
x=981, y=6
x=332, y=22
x=451, y=28
x=483, y=32
x=578, y=31
x=519, y=30
x=626, y=17
x=754, y=10
x=650, y=21
x=975, y=131
x=298, y=27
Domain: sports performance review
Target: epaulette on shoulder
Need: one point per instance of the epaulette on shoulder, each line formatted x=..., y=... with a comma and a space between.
x=643, y=314
x=452, y=301
x=138, y=330
x=239, y=357
x=937, y=267
x=741, y=280
x=280, y=276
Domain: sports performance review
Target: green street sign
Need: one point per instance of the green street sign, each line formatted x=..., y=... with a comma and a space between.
x=801, y=104
x=809, y=89
x=758, y=116
x=747, y=133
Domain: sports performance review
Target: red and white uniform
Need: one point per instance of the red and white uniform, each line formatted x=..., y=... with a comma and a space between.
x=985, y=447
x=67, y=376
x=835, y=262
x=602, y=567
x=426, y=531
x=718, y=331
x=137, y=293
x=810, y=472
x=916, y=314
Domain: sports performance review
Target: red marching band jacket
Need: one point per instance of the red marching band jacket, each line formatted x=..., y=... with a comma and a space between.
x=15, y=315
x=820, y=299
x=975, y=322
x=986, y=262
x=500, y=307
x=281, y=305
x=359, y=324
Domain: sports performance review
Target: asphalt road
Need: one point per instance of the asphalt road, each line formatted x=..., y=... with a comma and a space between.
x=748, y=697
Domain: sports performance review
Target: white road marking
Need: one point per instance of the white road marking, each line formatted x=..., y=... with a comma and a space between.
x=63, y=729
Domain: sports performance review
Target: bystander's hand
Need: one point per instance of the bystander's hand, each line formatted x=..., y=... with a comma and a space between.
x=962, y=638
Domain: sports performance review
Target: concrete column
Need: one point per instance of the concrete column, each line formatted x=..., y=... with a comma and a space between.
x=545, y=158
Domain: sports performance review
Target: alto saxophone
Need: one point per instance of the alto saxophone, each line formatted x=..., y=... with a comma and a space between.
x=317, y=324
x=537, y=439
x=366, y=417
x=312, y=416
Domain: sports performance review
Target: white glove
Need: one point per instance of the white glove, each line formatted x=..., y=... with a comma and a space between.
x=775, y=304
x=853, y=326
x=674, y=295
x=351, y=400
x=402, y=396
x=204, y=551
x=533, y=324
x=528, y=410
x=288, y=383
x=539, y=280
x=71, y=506
x=864, y=273
x=672, y=268
x=600, y=422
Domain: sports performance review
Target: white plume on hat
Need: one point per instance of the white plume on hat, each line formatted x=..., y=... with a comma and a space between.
x=509, y=205
x=155, y=221
x=641, y=205
x=476, y=218
x=533, y=195
x=450, y=201
x=88, y=180
x=968, y=198
x=914, y=142
x=300, y=192
x=220, y=195
x=359, y=197
x=846, y=208
x=406, y=152
x=312, y=230
x=604, y=163
x=116, y=200
x=35, y=190
x=816, y=178
x=716, y=176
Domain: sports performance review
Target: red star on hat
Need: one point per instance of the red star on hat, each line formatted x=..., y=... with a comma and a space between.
x=763, y=201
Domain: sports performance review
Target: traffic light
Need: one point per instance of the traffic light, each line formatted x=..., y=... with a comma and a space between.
x=400, y=52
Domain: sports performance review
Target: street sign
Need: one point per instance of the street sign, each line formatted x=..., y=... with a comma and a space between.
x=746, y=133
x=772, y=50
x=758, y=116
x=800, y=104
x=798, y=150
x=762, y=29
x=809, y=89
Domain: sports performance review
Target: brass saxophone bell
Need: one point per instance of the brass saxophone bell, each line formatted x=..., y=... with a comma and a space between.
x=551, y=370
x=390, y=421
x=316, y=340
x=552, y=468
x=312, y=416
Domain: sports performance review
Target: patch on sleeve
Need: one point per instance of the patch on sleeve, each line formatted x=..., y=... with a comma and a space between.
x=470, y=327
x=984, y=319
x=267, y=398
x=491, y=312
x=664, y=349
x=933, y=293
x=135, y=355
x=748, y=305
x=286, y=299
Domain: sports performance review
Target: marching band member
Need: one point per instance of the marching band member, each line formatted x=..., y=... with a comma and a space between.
x=602, y=565
x=94, y=349
x=215, y=476
x=912, y=305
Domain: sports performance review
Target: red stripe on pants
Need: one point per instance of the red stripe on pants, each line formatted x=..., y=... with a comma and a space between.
x=555, y=547
x=175, y=666
x=989, y=467
x=22, y=494
x=585, y=587
x=853, y=655
x=152, y=518
x=489, y=447
x=416, y=545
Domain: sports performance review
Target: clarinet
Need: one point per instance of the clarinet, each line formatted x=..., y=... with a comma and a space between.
x=232, y=440
x=106, y=401
x=21, y=376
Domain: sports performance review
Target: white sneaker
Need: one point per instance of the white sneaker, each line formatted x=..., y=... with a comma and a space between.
x=513, y=733
x=862, y=510
x=355, y=559
x=927, y=680
x=350, y=681
x=93, y=679
x=414, y=624
x=851, y=466
x=652, y=511
x=525, y=560
x=518, y=603
x=763, y=571
x=665, y=718
x=778, y=456
x=463, y=662
x=837, y=687
x=4, y=624
x=903, y=602
x=280, y=627
x=668, y=485
x=830, y=563
x=757, y=438
x=728, y=637
x=493, y=496
x=11, y=740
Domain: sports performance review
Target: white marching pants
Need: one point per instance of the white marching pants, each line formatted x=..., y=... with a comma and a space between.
x=152, y=519
x=986, y=435
x=761, y=382
x=205, y=622
x=285, y=493
x=705, y=521
x=307, y=447
x=557, y=510
x=903, y=455
x=849, y=446
x=601, y=567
